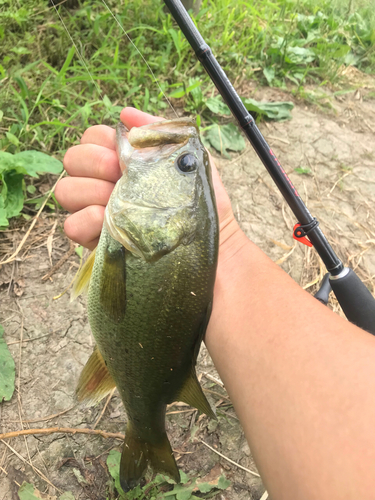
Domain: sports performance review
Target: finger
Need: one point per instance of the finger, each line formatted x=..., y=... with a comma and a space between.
x=84, y=226
x=132, y=117
x=76, y=193
x=102, y=135
x=91, y=160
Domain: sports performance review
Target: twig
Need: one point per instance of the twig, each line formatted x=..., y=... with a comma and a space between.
x=339, y=180
x=217, y=394
x=105, y=407
x=20, y=411
x=180, y=411
x=62, y=261
x=213, y=379
x=285, y=256
x=226, y=458
x=49, y=417
x=12, y=257
x=70, y=284
x=63, y=430
x=274, y=138
x=6, y=473
x=40, y=473
x=29, y=340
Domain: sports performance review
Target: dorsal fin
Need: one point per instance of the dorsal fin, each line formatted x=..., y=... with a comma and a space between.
x=82, y=281
x=95, y=381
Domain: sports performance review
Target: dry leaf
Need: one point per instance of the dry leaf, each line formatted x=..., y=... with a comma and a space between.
x=281, y=245
x=50, y=242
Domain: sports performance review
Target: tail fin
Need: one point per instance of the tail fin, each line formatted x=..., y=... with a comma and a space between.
x=137, y=454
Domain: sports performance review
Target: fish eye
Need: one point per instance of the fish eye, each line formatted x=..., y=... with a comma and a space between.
x=187, y=163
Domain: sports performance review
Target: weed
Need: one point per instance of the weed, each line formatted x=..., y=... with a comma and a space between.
x=13, y=190
x=47, y=96
x=161, y=487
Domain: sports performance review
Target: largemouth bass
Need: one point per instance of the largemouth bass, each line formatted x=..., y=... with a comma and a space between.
x=151, y=283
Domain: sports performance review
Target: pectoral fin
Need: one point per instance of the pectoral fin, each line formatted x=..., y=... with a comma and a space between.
x=113, y=284
x=192, y=394
x=95, y=381
x=82, y=281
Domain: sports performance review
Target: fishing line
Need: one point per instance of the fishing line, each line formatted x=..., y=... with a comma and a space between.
x=78, y=52
x=140, y=53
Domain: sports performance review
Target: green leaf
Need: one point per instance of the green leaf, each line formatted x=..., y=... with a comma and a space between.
x=184, y=495
x=3, y=218
x=178, y=93
x=68, y=495
x=269, y=73
x=184, y=477
x=217, y=106
x=224, y=138
x=26, y=492
x=12, y=138
x=300, y=55
x=79, y=251
x=205, y=487
x=7, y=370
x=34, y=162
x=6, y=161
x=183, y=492
x=14, y=198
x=67, y=62
x=31, y=189
x=223, y=483
x=176, y=40
x=193, y=86
x=278, y=111
x=302, y=170
x=113, y=464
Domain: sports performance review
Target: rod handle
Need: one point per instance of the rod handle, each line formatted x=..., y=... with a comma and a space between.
x=355, y=299
x=325, y=289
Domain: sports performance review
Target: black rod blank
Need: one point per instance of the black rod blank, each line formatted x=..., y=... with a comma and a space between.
x=252, y=132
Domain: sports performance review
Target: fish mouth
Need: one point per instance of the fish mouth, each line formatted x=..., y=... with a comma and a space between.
x=154, y=141
x=176, y=131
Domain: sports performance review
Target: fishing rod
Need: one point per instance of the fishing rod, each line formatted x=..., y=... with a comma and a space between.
x=355, y=299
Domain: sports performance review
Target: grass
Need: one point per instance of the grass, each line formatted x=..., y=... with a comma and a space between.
x=47, y=97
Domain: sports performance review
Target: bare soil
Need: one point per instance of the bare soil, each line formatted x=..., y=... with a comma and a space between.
x=50, y=337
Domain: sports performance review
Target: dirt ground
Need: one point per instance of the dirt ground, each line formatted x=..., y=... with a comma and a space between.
x=50, y=338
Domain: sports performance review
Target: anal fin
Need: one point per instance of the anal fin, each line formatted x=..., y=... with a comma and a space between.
x=192, y=394
x=95, y=381
x=137, y=454
x=82, y=281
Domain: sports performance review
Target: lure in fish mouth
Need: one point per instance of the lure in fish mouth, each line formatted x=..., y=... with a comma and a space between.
x=151, y=283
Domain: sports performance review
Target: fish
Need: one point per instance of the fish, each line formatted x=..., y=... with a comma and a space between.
x=150, y=287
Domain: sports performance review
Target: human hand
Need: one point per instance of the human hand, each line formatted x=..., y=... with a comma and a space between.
x=93, y=169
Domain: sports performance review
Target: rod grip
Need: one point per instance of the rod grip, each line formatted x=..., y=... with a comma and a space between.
x=356, y=300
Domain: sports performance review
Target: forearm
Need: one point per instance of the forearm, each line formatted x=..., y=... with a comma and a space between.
x=302, y=380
